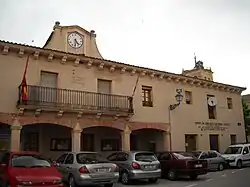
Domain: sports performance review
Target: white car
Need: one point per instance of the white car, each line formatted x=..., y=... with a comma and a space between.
x=237, y=155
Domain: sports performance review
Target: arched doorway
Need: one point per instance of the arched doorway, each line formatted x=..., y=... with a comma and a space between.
x=147, y=140
x=48, y=139
x=5, y=137
x=101, y=139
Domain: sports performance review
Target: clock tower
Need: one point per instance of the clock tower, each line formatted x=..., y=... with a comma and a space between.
x=199, y=71
x=73, y=39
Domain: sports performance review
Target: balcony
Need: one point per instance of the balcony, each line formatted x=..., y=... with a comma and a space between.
x=54, y=99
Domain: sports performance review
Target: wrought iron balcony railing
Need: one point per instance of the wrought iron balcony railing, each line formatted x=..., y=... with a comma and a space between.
x=65, y=99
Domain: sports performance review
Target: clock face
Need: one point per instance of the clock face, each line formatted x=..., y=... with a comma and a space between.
x=75, y=40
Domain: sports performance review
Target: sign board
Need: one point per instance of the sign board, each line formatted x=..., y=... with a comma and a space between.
x=212, y=126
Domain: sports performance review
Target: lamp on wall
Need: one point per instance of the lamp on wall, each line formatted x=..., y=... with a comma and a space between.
x=178, y=97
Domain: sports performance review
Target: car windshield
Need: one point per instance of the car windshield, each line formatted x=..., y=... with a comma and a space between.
x=233, y=150
x=145, y=157
x=90, y=158
x=183, y=155
x=29, y=161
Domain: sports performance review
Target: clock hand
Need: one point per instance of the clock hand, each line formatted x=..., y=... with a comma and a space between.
x=76, y=42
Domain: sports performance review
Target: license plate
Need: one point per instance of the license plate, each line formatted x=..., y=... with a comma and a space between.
x=149, y=167
x=102, y=170
x=198, y=165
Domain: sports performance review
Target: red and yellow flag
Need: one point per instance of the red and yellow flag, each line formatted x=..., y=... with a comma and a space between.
x=24, y=86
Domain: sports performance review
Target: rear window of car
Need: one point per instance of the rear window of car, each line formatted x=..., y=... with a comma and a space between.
x=28, y=160
x=90, y=158
x=145, y=157
x=183, y=155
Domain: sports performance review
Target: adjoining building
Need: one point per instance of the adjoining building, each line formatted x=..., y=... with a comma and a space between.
x=77, y=100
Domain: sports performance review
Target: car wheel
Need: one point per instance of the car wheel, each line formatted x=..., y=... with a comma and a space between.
x=193, y=176
x=171, y=175
x=239, y=164
x=72, y=182
x=124, y=178
x=108, y=185
x=220, y=167
x=153, y=180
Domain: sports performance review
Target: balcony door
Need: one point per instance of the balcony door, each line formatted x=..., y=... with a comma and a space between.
x=104, y=93
x=48, y=90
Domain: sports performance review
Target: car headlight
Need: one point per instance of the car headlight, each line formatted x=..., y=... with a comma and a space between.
x=25, y=183
x=58, y=181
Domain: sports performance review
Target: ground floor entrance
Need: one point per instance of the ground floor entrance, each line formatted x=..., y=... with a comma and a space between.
x=105, y=137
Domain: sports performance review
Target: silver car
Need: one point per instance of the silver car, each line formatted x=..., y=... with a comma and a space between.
x=87, y=168
x=214, y=159
x=137, y=165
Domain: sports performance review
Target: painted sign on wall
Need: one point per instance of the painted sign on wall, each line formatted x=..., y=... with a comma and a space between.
x=212, y=126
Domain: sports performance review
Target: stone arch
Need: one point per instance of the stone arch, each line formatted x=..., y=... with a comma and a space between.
x=88, y=123
x=6, y=119
x=156, y=126
x=32, y=120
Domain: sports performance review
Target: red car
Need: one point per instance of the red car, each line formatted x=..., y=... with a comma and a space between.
x=19, y=169
x=176, y=164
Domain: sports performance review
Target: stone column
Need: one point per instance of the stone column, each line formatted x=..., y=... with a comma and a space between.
x=125, y=138
x=76, y=138
x=15, y=136
x=166, y=141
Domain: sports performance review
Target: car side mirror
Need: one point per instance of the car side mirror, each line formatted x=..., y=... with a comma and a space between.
x=244, y=152
x=2, y=165
x=54, y=164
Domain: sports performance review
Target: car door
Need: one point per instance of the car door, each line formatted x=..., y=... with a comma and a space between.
x=4, y=164
x=205, y=156
x=165, y=160
x=122, y=161
x=246, y=156
x=68, y=165
x=61, y=166
x=214, y=160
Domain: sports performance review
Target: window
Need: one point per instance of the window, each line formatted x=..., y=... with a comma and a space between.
x=69, y=159
x=165, y=156
x=204, y=155
x=104, y=86
x=245, y=151
x=29, y=161
x=212, y=154
x=147, y=96
x=233, y=139
x=188, y=96
x=112, y=157
x=90, y=158
x=211, y=108
x=61, y=159
x=229, y=103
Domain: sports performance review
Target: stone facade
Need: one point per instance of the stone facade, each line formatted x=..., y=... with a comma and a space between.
x=137, y=103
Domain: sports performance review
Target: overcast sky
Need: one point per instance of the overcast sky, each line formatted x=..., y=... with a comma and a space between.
x=160, y=34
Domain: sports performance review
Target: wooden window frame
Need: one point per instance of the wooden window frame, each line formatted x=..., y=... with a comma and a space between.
x=147, y=101
x=190, y=101
x=211, y=110
x=229, y=103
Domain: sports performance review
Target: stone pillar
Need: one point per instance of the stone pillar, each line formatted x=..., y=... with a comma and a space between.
x=166, y=141
x=125, y=138
x=15, y=136
x=76, y=138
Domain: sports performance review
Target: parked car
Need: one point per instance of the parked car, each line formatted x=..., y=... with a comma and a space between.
x=27, y=169
x=214, y=159
x=136, y=165
x=176, y=164
x=87, y=168
x=237, y=155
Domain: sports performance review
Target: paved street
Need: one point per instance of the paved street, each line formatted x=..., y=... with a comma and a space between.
x=227, y=178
